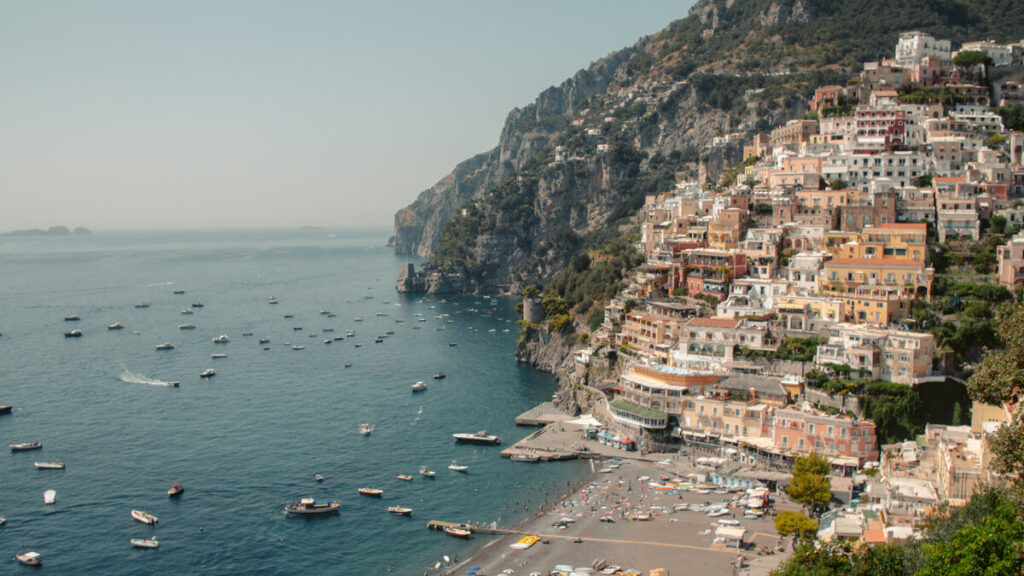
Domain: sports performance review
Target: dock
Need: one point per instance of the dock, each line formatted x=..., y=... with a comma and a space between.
x=536, y=446
x=541, y=415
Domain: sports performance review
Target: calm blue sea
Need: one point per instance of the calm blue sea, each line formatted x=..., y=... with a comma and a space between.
x=248, y=441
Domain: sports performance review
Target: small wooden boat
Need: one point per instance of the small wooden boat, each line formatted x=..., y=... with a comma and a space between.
x=50, y=465
x=458, y=467
x=208, y=373
x=175, y=490
x=30, y=558
x=400, y=511
x=179, y=291
x=374, y=492
x=405, y=477
x=424, y=471
x=458, y=532
x=309, y=507
x=144, y=542
x=264, y=340
x=439, y=375
x=144, y=517
x=49, y=497
x=25, y=446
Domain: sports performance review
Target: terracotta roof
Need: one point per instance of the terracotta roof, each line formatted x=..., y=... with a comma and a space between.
x=879, y=262
x=714, y=322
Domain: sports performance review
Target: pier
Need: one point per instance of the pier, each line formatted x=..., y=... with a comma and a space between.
x=541, y=415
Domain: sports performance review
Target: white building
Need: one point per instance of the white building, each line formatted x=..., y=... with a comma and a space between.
x=914, y=46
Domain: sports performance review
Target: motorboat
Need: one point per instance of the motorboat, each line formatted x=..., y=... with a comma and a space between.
x=142, y=305
x=115, y=326
x=246, y=333
x=5, y=409
x=298, y=347
x=264, y=340
x=458, y=467
x=222, y=339
x=144, y=542
x=272, y=300
x=524, y=458
x=165, y=346
x=318, y=478
x=400, y=511
x=49, y=465
x=186, y=326
x=73, y=334
x=208, y=373
x=453, y=344
x=309, y=507
x=217, y=356
x=3, y=521
x=175, y=490
x=296, y=328
x=72, y=318
x=458, y=532
x=439, y=375
x=30, y=558
x=481, y=437
x=179, y=291
x=419, y=386
x=49, y=496
x=174, y=384
x=23, y=446
x=187, y=311
x=424, y=471
x=374, y=492
x=144, y=517
x=718, y=513
x=325, y=312
x=197, y=304
x=328, y=340
x=365, y=429
x=404, y=477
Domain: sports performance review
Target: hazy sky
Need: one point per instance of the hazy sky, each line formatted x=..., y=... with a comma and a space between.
x=180, y=114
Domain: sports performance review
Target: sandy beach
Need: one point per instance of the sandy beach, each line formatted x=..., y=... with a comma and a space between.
x=573, y=532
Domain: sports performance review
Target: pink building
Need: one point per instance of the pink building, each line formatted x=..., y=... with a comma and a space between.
x=1011, y=263
x=832, y=436
x=710, y=271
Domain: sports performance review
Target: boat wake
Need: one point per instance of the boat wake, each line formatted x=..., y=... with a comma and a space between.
x=133, y=378
x=417, y=418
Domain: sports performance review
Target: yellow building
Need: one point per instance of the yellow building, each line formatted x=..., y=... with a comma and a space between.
x=876, y=305
x=896, y=241
x=846, y=275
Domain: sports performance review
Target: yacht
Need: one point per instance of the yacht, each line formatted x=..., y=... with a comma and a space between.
x=187, y=311
x=309, y=507
x=144, y=542
x=30, y=558
x=424, y=471
x=25, y=446
x=374, y=492
x=73, y=334
x=222, y=339
x=419, y=386
x=50, y=465
x=481, y=437
x=115, y=326
x=144, y=517
x=400, y=511
x=458, y=467
x=208, y=373
x=458, y=532
x=365, y=429
x=165, y=346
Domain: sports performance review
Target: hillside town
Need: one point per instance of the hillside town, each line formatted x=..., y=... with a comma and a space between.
x=775, y=302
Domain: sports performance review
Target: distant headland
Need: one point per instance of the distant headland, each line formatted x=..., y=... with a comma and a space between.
x=51, y=231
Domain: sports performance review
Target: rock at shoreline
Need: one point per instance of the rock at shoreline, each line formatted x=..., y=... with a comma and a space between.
x=51, y=231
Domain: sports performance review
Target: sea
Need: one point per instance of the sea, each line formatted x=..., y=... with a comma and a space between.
x=249, y=441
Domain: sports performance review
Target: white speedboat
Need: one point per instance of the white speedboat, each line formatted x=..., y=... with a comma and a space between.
x=298, y=347
x=73, y=334
x=481, y=437
x=165, y=346
x=30, y=558
x=49, y=497
x=374, y=492
x=50, y=465
x=365, y=429
x=144, y=517
x=222, y=339
x=144, y=542
x=424, y=471
x=399, y=510
x=419, y=386
x=458, y=467
x=23, y=446
x=115, y=326
x=208, y=373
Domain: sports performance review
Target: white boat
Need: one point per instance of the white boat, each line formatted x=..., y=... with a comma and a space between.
x=175, y=490
x=3, y=520
x=222, y=339
x=718, y=513
x=217, y=356
x=144, y=517
x=399, y=510
x=49, y=497
x=165, y=346
x=115, y=326
x=481, y=437
x=424, y=471
x=374, y=492
x=458, y=532
x=144, y=542
x=365, y=429
x=30, y=558
x=208, y=373
x=297, y=347
x=458, y=467
x=527, y=458
x=318, y=478
x=187, y=311
x=419, y=386
x=50, y=465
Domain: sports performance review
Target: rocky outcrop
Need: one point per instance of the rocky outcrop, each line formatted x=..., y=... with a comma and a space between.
x=546, y=351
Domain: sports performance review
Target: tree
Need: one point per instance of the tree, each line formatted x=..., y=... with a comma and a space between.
x=991, y=546
x=837, y=184
x=811, y=490
x=797, y=524
x=813, y=463
x=530, y=292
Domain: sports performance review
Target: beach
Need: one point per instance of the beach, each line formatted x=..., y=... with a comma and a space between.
x=603, y=521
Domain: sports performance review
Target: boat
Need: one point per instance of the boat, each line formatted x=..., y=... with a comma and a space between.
x=179, y=291
x=458, y=467
x=365, y=429
x=222, y=339
x=186, y=326
x=328, y=340
x=424, y=471
x=216, y=356
x=405, y=477
x=296, y=328
x=115, y=326
x=264, y=340
x=50, y=465
x=73, y=334
x=72, y=318
x=208, y=373
x=419, y=386
x=458, y=532
x=174, y=384
x=272, y=300
x=30, y=558
x=25, y=446
x=718, y=513
x=309, y=507
x=49, y=496
x=525, y=458
x=439, y=375
x=165, y=346
x=298, y=347
x=246, y=333
x=144, y=542
x=142, y=305
x=144, y=517
x=481, y=437
x=175, y=490
x=400, y=510
x=374, y=492
x=3, y=520
x=5, y=409
x=197, y=304
x=187, y=311
x=318, y=478
x=453, y=344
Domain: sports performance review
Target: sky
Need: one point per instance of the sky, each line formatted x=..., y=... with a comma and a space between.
x=240, y=114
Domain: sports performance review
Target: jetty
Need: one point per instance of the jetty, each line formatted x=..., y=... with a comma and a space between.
x=551, y=443
x=541, y=415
